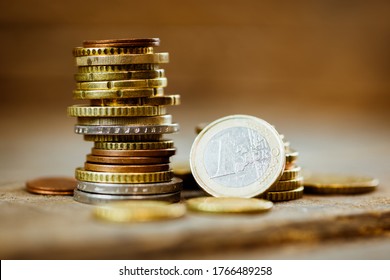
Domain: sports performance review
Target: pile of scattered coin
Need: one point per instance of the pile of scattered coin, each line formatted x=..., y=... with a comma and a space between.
x=126, y=119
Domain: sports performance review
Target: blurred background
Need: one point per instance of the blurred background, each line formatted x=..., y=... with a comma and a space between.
x=317, y=70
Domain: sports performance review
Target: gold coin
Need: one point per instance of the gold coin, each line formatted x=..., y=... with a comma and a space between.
x=339, y=184
x=237, y=156
x=164, y=119
x=117, y=68
x=228, y=205
x=122, y=43
x=113, y=93
x=117, y=111
x=291, y=156
x=289, y=174
x=166, y=100
x=122, y=59
x=287, y=185
x=123, y=75
x=163, y=144
x=284, y=195
x=123, y=138
x=109, y=177
x=126, y=168
x=79, y=51
x=139, y=211
x=138, y=83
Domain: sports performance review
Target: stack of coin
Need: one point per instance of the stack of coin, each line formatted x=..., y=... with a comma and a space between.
x=126, y=120
x=290, y=184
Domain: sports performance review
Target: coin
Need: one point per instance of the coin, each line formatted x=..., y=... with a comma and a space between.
x=123, y=75
x=291, y=156
x=110, y=177
x=123, y=138
x=163, y=119
x=94, y=198
x=126, y=129
x=122, y=59
x=166, y=100
x=131, y=42
x=135, y=153
x=117, y=68
x=289, y=174
x=52, y=185
x=237, y=156
x=117, y=111
x=136, y=83
x=339, y=184
x=127, y=160
x=172, y=186
x=79, y=51
x=287, y=185
x=163, y=144
x=139, y=211
x=126, y=168
x=228, y=205
x=284, y=195
x=113, y=93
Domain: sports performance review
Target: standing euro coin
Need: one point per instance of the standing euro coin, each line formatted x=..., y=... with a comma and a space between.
x=237, y=156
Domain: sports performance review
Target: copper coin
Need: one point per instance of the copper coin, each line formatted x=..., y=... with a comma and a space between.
x=52, y=185
x=133, y=42
x=126, y=168
x=134, y=153
x=127, y=160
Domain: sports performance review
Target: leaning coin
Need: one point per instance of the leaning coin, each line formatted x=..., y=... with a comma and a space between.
x=52, y=185
x=139, y=211
x=339, y=184
x=237, y=156
x=228, y=205
x=131, y=42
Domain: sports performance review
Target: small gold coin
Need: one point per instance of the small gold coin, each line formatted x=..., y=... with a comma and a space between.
x=113, y=93
x=289, y=174
x=137, y=83
x=291, y=155
x=163, y=144
x=339, y=184
x=123, y=75
x=287, y=185
x=79, y=51
x=228, y=205
x=117, y=111
x=284, y=195
x=139, y=211
x=122, y=59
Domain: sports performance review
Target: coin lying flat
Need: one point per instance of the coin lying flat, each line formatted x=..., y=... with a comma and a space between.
x=139, y=211
x=237, y=156
x=339, y=184
x=94, y=198
x=122, y=59
x=228, y=205
x=284, y=195
x=136, y=153
x=126, y=168
x=126, y=160
x=52, y=185
x=126, y=129
x=131, y=42
x=173, y=186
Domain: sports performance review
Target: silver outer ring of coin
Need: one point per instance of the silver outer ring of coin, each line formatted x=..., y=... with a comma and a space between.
x=126, y=129
x=93, y=198
x=122, y=59
x=175, y=185
x=255, y=188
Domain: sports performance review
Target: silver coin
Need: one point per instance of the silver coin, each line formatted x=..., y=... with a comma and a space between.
x=138, y=189
x=126, y=129
x=93, y=198
x=237, y=156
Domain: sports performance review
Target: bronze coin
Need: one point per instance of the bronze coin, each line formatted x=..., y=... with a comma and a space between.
x=127, y=160
x=135, y=153
x=134, y=42
x=126, y=168
x=52, y=185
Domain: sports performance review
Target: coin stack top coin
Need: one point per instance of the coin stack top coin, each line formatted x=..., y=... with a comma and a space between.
x=126, y=119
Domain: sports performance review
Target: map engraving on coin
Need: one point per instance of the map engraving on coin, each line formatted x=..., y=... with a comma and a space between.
x=237, y=156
